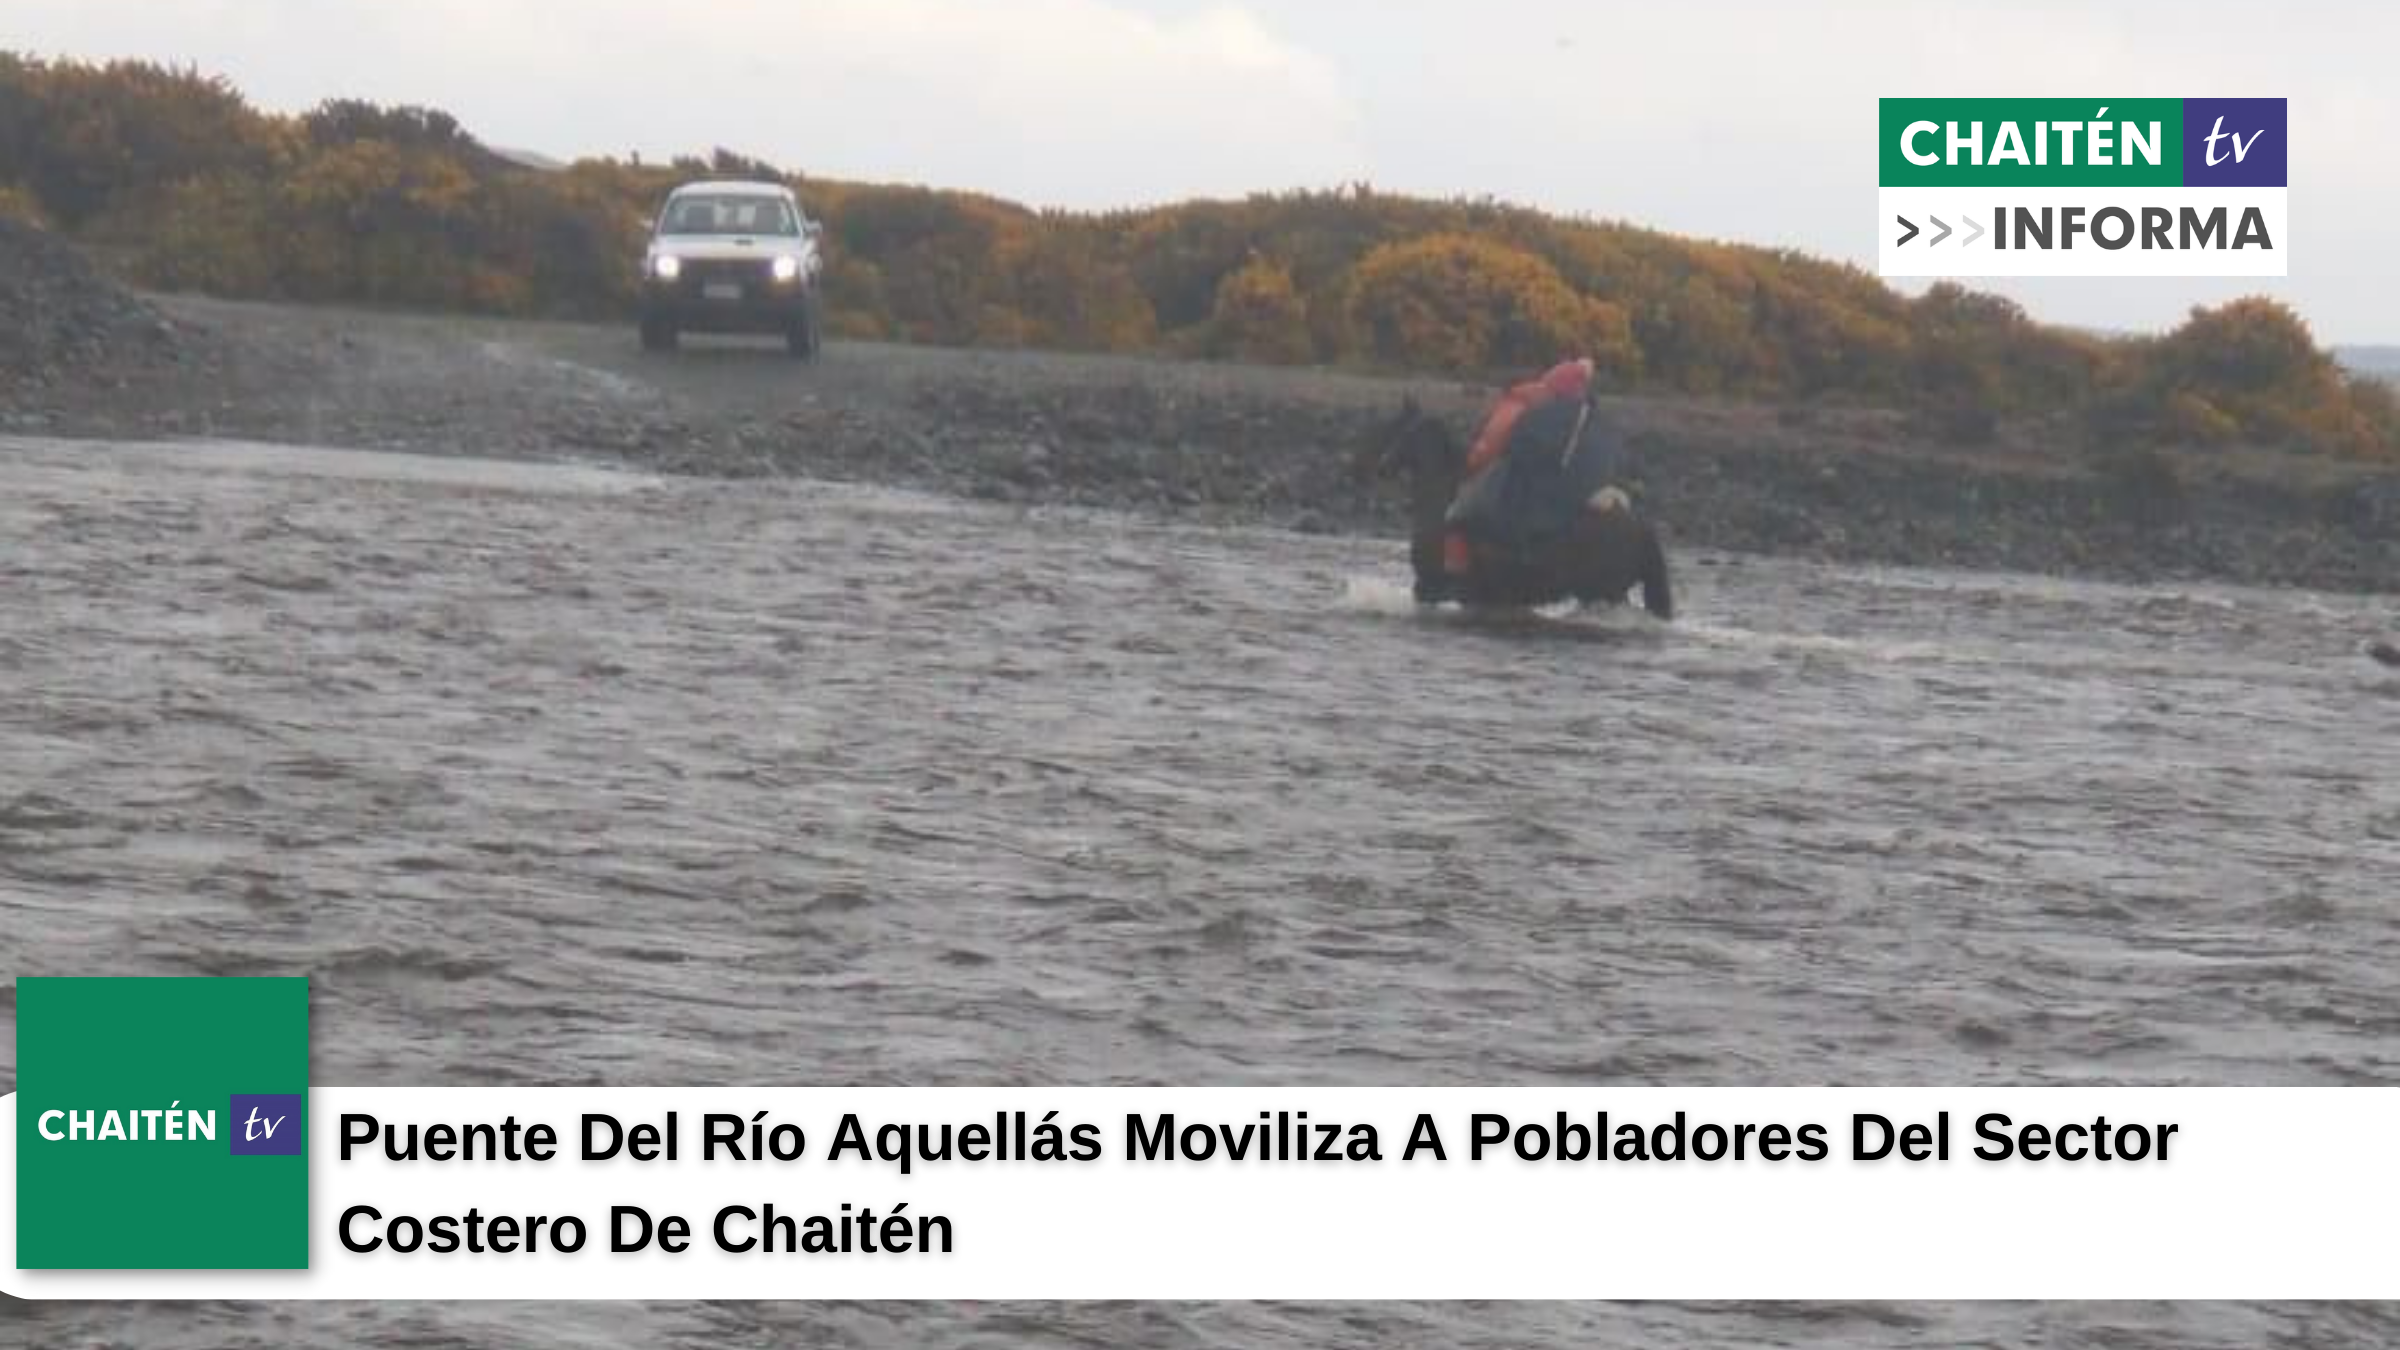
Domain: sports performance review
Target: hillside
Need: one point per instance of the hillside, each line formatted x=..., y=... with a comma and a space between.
x=178, y=182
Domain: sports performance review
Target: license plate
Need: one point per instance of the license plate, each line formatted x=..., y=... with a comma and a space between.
x=721, y=290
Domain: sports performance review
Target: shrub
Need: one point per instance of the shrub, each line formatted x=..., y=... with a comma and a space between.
x=1259, y=316
x=1458, y=302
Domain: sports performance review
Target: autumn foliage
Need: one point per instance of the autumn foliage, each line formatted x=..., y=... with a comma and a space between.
x=1260, y=316
x=174, y=179
x=1459, y=301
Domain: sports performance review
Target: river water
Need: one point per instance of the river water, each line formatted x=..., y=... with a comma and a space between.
x=558, y=775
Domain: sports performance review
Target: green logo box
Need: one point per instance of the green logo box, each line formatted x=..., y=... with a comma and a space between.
x=2037, y=129
x=129, y=1155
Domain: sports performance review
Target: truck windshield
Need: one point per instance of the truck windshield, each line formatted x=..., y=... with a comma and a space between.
x=728, y=213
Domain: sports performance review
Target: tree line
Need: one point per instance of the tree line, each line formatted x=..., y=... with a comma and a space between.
x=173, y=178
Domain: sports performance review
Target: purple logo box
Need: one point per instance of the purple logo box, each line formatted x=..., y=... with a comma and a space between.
x=267, y=1125
x=2235, y=142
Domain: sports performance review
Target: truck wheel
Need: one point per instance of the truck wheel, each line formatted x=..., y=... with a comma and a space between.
x=658, y=336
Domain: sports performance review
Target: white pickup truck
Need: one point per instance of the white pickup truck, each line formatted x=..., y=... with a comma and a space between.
x=732, y=257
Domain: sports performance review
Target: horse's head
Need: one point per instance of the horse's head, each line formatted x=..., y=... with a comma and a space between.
x=1410, y=440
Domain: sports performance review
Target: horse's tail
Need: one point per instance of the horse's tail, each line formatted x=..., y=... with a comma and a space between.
x=1658, y=593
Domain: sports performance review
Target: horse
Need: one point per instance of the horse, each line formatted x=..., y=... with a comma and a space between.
x=1608, y=550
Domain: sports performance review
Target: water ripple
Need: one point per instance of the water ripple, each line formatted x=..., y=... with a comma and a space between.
x=549, y=776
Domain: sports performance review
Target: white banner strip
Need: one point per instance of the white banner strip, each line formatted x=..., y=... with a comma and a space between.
x=2259, y=1193
x=1981, y=232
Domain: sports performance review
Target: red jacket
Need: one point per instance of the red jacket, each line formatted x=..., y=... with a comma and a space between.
x=1567, y=379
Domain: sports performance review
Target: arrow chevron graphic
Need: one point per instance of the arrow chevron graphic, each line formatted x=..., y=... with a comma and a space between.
x=1974, y=231
x=1913, y=231
x=1945, y=231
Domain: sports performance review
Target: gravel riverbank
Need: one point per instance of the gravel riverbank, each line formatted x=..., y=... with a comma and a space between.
x=80, y=358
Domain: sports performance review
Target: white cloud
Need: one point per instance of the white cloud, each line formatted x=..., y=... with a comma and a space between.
x=1059, y=102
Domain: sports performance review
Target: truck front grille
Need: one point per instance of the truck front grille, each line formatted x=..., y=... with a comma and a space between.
x=747, y=272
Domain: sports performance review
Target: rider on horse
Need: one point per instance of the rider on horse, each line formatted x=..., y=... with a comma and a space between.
x=1534, y=465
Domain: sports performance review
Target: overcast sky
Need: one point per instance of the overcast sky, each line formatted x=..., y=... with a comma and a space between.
x=1739, y=119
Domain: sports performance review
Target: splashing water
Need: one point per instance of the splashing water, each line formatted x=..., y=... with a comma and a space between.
x=545, y=776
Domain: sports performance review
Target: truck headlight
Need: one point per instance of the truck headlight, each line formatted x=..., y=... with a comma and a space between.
x=666, y=267
x=787, y=268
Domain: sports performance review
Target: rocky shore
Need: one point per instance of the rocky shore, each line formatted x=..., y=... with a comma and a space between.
x=67, y=333
x=78, y=357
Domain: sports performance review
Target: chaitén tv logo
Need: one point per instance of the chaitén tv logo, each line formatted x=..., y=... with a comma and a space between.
x=2083, y=187
x=162, y=1124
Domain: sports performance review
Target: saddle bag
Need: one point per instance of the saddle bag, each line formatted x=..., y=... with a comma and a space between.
x=1557, y=456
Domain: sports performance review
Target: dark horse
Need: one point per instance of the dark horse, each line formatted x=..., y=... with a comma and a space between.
x=1599, y=560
